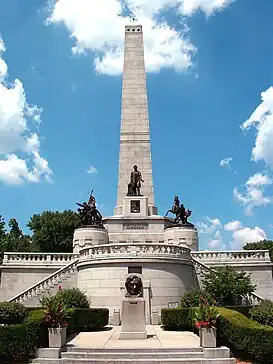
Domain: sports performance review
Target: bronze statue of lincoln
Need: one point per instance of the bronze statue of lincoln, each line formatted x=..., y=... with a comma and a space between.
x=135, y=184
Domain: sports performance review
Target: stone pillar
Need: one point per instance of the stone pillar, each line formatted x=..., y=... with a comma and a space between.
x=135, y=146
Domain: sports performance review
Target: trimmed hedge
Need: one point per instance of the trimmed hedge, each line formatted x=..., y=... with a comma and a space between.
x=247, y=339
x=12, y=313
x=88, y=319
x=19, y=342
x=180, y=319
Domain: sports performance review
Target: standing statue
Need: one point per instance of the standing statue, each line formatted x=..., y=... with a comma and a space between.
x=135, y=183
x=181, y=213
x=89, y=213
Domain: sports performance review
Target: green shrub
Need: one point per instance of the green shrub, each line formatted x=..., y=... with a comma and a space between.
x=178, y=318
x=192, y=298
x=263, y=313
x=90, y=319
x=18, y=342
x=247, y=339
x=242, y=309
x=12, y=313
x=71, y=298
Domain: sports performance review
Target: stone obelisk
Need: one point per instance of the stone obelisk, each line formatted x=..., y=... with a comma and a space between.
x=135, y=148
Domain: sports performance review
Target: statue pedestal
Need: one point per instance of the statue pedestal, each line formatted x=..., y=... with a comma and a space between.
x=135, y=206
x=87, y=236
x=184, y=235
x=133, y=319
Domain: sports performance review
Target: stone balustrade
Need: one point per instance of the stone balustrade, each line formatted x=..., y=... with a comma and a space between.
x=38, y=258
x=47, y=283
x=232, y=257
x=145, y=250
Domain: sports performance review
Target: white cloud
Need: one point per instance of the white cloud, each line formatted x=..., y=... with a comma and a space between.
x=242, y=235
x=92, y=170
x=226, y=162
x=253, y=196
x=207, y=6
x=233, y=225
x=209, y=226
x=233, y=235
x=262, y=120
x=98, y=26
x=217, y=243
x=16, y=119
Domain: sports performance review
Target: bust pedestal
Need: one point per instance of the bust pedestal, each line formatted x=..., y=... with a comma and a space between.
x=133, y=325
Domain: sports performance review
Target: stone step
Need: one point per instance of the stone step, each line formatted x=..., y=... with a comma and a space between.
x=131, y=355
x=133, y=350
x=164, y=360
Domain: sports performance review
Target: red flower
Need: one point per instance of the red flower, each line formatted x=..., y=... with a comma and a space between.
x=201, y=324
x=59, y=287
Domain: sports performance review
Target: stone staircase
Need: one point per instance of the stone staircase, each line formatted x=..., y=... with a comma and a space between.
x=76, y=355
x=65, y=276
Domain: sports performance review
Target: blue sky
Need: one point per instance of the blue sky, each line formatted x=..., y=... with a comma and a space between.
x=209, y=81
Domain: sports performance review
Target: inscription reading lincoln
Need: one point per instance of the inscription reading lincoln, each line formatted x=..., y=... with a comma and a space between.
x=135, y=226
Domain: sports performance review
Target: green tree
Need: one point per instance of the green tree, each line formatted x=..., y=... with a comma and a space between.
x=261, y=245
x=53, y=231
x=2, y=228
x=228, y=286
x=14, y=240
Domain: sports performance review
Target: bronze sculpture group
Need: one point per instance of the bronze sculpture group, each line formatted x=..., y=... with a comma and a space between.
x=181, y=213
x=89, y=213
x=91, y=216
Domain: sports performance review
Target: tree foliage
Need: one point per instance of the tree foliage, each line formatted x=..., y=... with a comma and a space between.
x=53, y=231
x=227, y=286
x=13, y=240
x=261, y=245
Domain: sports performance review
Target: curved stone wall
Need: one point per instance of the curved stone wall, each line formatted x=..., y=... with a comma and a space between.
x=166, y=277
x=87, y=236
x=180, y=235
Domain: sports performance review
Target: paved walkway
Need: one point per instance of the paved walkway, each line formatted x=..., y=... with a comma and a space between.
x=157, y=338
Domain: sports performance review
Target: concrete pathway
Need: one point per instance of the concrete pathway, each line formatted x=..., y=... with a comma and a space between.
x=157, y=338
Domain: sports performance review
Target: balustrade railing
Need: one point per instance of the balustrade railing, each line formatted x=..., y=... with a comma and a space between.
x=127, y=249
x=39, y=258
x=232, y=256
x=46, y=283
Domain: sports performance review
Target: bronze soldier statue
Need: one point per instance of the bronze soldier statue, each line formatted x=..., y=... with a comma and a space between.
x=89, y=212
x=181, y=213
x=176, y=204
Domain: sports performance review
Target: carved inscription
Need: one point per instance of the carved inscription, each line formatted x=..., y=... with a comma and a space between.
x=135, y=226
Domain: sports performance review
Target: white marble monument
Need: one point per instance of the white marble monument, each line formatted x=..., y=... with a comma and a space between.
x=136, y=239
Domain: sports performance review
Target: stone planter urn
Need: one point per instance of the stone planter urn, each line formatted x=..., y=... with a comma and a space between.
x=57, y=337
x=207, y=337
